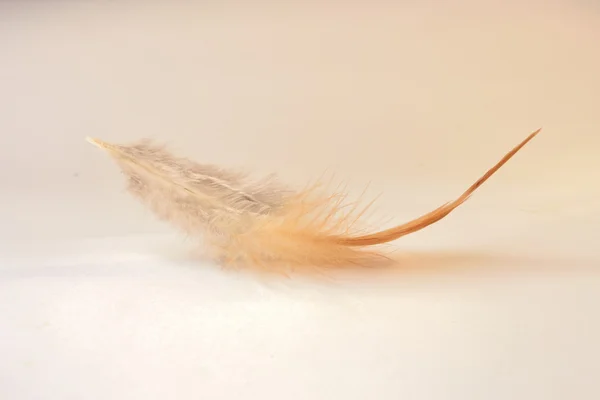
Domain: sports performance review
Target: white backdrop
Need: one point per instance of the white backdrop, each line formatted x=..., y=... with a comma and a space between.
x=99, y=300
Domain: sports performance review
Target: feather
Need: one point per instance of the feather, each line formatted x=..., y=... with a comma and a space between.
x=263, y=223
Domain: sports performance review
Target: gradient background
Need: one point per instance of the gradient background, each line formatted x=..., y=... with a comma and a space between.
x=416, y=99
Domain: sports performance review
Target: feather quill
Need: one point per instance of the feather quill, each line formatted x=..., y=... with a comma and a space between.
x=263, y=223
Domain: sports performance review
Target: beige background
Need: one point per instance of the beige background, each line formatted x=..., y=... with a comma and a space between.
x=416, y=98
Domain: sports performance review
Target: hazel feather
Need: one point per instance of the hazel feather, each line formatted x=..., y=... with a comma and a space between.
x=263, y=223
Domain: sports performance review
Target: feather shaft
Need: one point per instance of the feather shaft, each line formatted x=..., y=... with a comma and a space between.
x=434, y=216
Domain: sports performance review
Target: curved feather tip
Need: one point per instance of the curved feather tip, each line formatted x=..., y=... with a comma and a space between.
x=262, y=223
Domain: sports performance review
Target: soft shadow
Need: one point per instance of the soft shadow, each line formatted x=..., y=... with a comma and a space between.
x=444, y=262
x=402, y=263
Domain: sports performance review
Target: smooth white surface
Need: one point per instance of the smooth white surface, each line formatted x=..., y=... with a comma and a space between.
x=500, y=301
